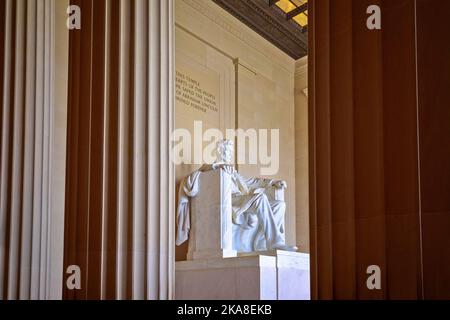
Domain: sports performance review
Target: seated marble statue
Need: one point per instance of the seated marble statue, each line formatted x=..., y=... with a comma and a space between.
x=252, y=208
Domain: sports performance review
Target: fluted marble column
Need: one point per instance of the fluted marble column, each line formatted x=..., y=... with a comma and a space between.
x=33, y=127
x=120, y=197
x=364, y=189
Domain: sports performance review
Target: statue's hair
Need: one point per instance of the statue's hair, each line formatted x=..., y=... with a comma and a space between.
x=224, y=143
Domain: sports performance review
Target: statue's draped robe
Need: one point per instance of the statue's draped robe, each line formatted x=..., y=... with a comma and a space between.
x=248, y=198
x=188, y=189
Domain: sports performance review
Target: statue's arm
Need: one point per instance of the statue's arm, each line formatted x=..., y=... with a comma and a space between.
x=215, y=166
x=265, y=183
x=258, y=182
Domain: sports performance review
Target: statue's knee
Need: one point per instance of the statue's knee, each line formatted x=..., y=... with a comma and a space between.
x=264, y=198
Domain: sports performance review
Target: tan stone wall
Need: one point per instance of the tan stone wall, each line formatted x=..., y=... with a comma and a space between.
x=266, y=101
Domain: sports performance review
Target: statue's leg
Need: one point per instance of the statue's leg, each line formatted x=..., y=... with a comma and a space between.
x=279, y=211
x=263, y=209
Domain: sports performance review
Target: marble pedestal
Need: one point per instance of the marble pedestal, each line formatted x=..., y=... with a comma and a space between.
x=271, y=275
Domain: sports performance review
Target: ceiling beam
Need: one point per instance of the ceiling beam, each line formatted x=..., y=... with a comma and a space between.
x=297, y=11
x=272, y=2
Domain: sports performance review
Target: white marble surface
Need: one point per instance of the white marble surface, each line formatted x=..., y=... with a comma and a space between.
x=293, y=275
x=270, y=276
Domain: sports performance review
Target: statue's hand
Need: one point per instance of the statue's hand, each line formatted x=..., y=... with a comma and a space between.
x=229, y=168
x=280, y=184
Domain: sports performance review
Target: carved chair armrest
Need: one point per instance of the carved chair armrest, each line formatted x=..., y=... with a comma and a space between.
x=274, y=194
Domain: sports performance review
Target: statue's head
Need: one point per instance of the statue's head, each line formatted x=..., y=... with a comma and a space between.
x=225, y=151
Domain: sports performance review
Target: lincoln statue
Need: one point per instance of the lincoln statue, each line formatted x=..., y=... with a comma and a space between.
x=252, y=206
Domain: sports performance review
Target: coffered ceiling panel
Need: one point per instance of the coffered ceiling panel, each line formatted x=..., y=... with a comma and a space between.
x=282, y=22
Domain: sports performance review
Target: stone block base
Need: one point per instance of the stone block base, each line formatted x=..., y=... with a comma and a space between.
x=271, y=275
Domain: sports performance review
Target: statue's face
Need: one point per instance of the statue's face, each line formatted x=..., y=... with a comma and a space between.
x=225, y=151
